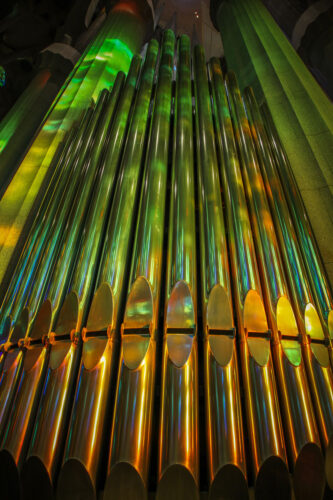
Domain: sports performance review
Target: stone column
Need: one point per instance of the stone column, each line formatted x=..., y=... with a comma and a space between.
x=262, y=57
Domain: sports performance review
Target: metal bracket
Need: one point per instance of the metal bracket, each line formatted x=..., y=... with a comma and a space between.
x=221, y=331
x=188, y=331
x=265, y=335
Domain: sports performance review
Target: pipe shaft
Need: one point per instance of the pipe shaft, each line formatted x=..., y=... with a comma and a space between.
x=88, y=431
x=315, y=354
x=300, y=426
x=225, y=441
x=131, y=435
x=312, y=259
x=268, y=453
x=178, y=463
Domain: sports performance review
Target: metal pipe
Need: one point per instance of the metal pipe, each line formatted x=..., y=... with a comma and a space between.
x=131, y=434
x=264, y=426
x=48, y=240
x=62, y=250
x=43, y=224
x=302, y=437
x=178, y=461
x=224, y=426
x=88, y=432
x=312, y=260
x=19, y=266
x=312, y=337
x=45, y=450
x=13, y=366
x=35, y=360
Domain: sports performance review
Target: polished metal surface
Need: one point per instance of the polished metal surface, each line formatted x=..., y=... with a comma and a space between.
x=85, y=442
x=131, y=435
x=167, y=326
x=225, y=440
x=299, y=421
x=178, y=455
x=308, y=319
x=264, y=423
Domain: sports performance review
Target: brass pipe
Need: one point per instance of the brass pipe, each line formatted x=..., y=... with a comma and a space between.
x=43, y=223
x=13, y=367
x=224, y=426
x=56, y=261
x=178, y=461
x=45, y=450
x=35, y=360
x=264, y=426
x=41, y=262
x=131, y=434
x=301, y=432
x=312, y=260
x=312, y=335
x=88, y=432
x=18, y=269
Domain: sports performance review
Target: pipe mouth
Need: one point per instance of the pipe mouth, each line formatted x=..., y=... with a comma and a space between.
x=35, y=480
x=177, y=483
x=124, y=482
x=273, y=481
x=229, y=484
x=309, y=473
x=9, y=477
x=329, y=464
x=75, y=482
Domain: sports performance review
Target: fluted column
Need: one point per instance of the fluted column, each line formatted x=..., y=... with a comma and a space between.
x=260, y=54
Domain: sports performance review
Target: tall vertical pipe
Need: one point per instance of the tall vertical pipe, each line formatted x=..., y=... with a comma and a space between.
x=131, y=435
x=44, y=223
x=23, y=258
x=267, y=447
x=302, y=437
x=178, y=462
x=36, y=280
x=312, y=335
x=39, y=270
x=224, y=427
x=21, y=419
x=58, y=257
x=321, y=287
x=88, y=430
x=30, y=266
x=39, y=472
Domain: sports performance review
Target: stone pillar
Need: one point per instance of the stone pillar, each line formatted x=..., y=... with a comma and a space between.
x=262, y=57
x=19, y=126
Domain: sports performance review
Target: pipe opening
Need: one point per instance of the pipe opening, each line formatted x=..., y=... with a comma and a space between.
x=75, y=482
x=124, y=482
x=177, y=483
x=273, y=480
x=9, y=477
x=309, y=475
x=229, y=483
x=35, y=480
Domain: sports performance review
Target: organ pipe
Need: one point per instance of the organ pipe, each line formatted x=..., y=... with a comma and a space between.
x=312, y=260
x=268, y=452
x=178, y=452
x=167, y=324
x=225, y=440
x=131, y=435
x=299, y=422
x=312, y=336
x=100, y=336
